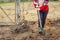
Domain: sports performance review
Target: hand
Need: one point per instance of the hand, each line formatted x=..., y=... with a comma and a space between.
x=37, y=6
x=44, y=3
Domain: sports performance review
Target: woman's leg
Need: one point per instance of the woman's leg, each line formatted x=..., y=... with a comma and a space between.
x=44, y=18
x=41, y=16
x=39, y=25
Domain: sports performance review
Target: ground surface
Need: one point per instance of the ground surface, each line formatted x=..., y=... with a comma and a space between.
x=29, y=29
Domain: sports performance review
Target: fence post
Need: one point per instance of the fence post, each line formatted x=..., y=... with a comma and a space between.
x=17, y=11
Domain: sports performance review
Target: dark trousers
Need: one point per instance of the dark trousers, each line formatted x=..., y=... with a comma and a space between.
x=43, y=16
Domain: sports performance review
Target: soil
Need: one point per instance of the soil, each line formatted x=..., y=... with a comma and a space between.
x=30, y=32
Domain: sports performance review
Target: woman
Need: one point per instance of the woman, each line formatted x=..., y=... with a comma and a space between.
x=43, y=10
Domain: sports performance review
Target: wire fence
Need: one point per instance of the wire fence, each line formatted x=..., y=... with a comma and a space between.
x=7, y=12
x=28, y=12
